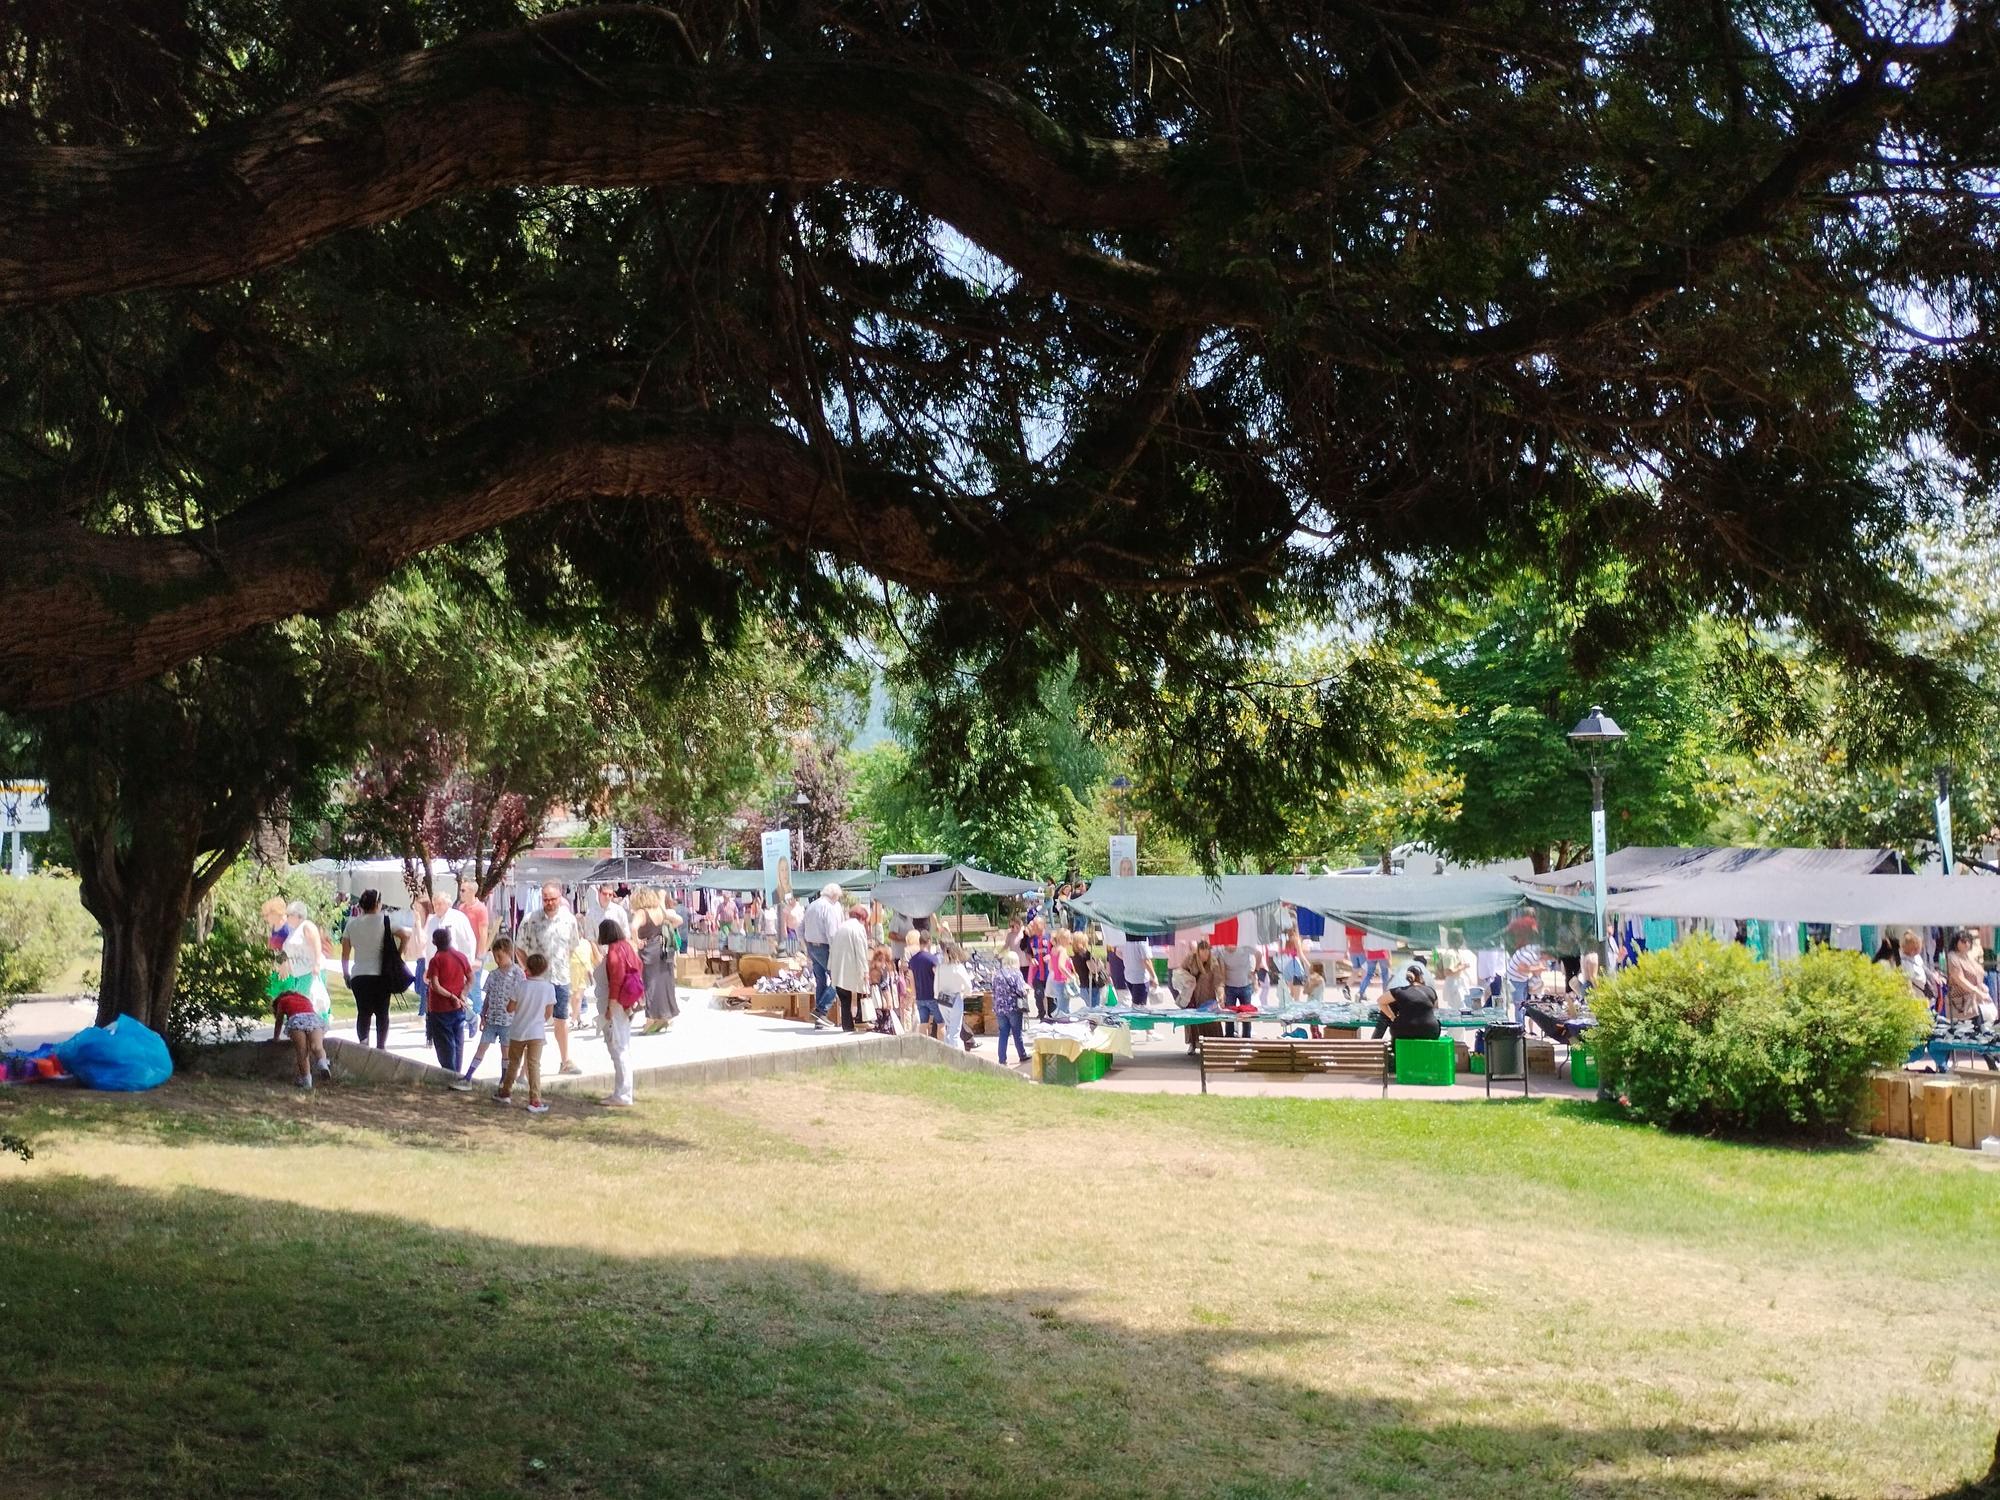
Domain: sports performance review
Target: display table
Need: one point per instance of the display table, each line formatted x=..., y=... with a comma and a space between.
x=1071, y=1058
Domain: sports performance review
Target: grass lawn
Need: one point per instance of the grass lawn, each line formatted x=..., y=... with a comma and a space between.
x=896, y=1280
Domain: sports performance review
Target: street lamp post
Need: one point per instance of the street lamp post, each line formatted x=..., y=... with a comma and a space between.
x=800, y=802
x=1597, y=735
x=1944, y=815
x=1122, y=785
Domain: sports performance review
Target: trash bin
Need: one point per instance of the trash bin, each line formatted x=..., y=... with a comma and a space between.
x=1506, y=1049
x=1582, y=1067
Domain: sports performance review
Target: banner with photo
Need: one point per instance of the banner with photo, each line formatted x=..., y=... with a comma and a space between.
x=1124, y=854
x=777, y=865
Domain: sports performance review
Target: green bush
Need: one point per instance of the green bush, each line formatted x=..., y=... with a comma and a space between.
x=221, y=991
x=1701, y=1036
x=43, y=931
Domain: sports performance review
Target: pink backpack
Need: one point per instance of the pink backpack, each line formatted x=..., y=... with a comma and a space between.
x=631, y=992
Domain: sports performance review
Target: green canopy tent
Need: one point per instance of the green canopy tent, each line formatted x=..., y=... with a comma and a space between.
x=925, y=895
x=1412, y=908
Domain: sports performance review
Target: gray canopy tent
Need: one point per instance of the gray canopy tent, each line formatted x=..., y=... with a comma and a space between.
x=925, y=895
x=1641, y=865
x=1839, y=899
x=1410, y=907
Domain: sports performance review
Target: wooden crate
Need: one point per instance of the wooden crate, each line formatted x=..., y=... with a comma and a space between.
x=1937, y=1112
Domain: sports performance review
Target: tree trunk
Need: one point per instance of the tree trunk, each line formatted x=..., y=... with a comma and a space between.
x=1538, y=859
x=272, y=841
x=141, y=897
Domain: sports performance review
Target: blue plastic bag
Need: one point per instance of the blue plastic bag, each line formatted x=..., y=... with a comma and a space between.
x=125, y=1057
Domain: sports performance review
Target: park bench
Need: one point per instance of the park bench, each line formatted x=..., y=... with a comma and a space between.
x=1342, y=1057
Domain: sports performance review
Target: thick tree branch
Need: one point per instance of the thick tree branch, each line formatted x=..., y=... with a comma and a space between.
x=128, y=607
x=510, y=110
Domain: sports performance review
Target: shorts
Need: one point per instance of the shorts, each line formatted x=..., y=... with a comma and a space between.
x=494, y=1033
x=562, y=1002
x=305, y=1021
x=930, y=1010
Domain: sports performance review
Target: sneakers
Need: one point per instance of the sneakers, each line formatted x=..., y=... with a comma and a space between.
x=612, y=1101
x=538, y=1108
x=821, y=1023
x=325, y=1069
x=500, y=1098
x=570, y=1068
x=460, y=1085
x=305, y=1081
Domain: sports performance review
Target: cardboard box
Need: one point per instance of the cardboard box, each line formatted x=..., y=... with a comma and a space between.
x=1937, y=1113
x=1961, y=1115
x=1878, y=1105
x=1899, y=1108
x=1541, y=1056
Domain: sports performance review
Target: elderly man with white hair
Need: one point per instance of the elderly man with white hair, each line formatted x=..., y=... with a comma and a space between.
x=822, y=920
x=445, y=914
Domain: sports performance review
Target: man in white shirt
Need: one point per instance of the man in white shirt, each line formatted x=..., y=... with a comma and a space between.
x=445, y=914
x=614, y=907
x=552, y=933
x=821, y=921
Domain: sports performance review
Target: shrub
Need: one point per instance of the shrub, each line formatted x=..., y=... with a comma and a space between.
x=1702, y=1036
x=43, y=930
x=221, y=991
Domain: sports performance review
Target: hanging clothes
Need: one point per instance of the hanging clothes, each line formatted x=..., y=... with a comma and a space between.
x=1660, y=933
x=1847, y=938
x=1312, y=926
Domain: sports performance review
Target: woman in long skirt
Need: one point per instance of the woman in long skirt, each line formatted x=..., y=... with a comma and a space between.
x=654, y=923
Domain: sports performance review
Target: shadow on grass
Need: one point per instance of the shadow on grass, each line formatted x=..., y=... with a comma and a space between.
x=191, y=1109
x=1600, y=1112
x=196, y=1342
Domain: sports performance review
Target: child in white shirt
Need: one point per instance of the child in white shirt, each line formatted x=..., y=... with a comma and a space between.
x=528, y=1017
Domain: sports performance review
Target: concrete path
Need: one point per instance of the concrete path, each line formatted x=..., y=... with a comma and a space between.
x=26, y=1024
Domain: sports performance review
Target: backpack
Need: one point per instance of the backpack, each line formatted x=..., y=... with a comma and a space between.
x=396, y=976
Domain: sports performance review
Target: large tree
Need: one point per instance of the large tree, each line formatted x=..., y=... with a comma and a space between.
x=1102, y=331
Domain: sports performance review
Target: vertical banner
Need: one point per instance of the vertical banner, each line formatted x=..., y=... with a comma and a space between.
x=777, y=865
x=1597, y=882
x=1944, y=823
x=1124, y=854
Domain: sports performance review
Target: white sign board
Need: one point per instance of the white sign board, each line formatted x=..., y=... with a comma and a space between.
x=24, y=807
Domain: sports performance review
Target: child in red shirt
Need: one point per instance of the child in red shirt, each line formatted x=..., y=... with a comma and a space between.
x=448, y=976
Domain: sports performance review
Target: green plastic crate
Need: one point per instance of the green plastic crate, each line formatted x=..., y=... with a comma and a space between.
x=1059, y=1070
x=1582, y=1067
x=1426, y=1062
x=1476, y=1063
x=1092, y=1066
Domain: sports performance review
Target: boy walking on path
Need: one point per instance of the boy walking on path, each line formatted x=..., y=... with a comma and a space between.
x=502, y=986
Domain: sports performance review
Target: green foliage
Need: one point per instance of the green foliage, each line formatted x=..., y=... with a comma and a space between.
x=220, y=989
x=236, y=903
x=1520, y=673
x=1700, y=1036
x=43, y=930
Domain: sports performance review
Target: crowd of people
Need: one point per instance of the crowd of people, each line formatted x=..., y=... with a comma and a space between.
x=480, y=990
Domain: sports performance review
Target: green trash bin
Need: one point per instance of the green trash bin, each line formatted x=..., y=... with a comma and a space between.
x=1425, y=1061
x=1582, y=1067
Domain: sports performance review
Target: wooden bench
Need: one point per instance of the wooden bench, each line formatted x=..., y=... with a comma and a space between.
x=1343, y=1058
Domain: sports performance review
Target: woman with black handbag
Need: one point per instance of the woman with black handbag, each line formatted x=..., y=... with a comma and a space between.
x=371, y=961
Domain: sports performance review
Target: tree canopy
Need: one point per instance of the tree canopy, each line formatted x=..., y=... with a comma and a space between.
x=1107, y=335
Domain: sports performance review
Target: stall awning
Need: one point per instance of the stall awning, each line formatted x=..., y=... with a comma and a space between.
x=1639, y=865
x=1843, y=900
x=1410, y=907
x=926, y=895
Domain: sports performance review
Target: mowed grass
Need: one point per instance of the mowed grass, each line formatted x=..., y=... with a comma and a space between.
x=890, y=1281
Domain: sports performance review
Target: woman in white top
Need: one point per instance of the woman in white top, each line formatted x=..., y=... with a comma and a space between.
x=953, y=985
x=362, y=956
x=847, y=965
x=305, y=955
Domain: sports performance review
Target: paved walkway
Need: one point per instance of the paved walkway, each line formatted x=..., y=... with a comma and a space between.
x=28, y=1023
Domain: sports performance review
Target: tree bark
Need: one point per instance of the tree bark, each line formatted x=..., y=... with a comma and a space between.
x=509, y=109
x=141, y=896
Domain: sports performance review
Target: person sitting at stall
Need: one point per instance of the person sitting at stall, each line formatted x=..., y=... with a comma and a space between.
x=1586, y=980
x=1410, y=1011
x=1922, y=982
x=1965, y=979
